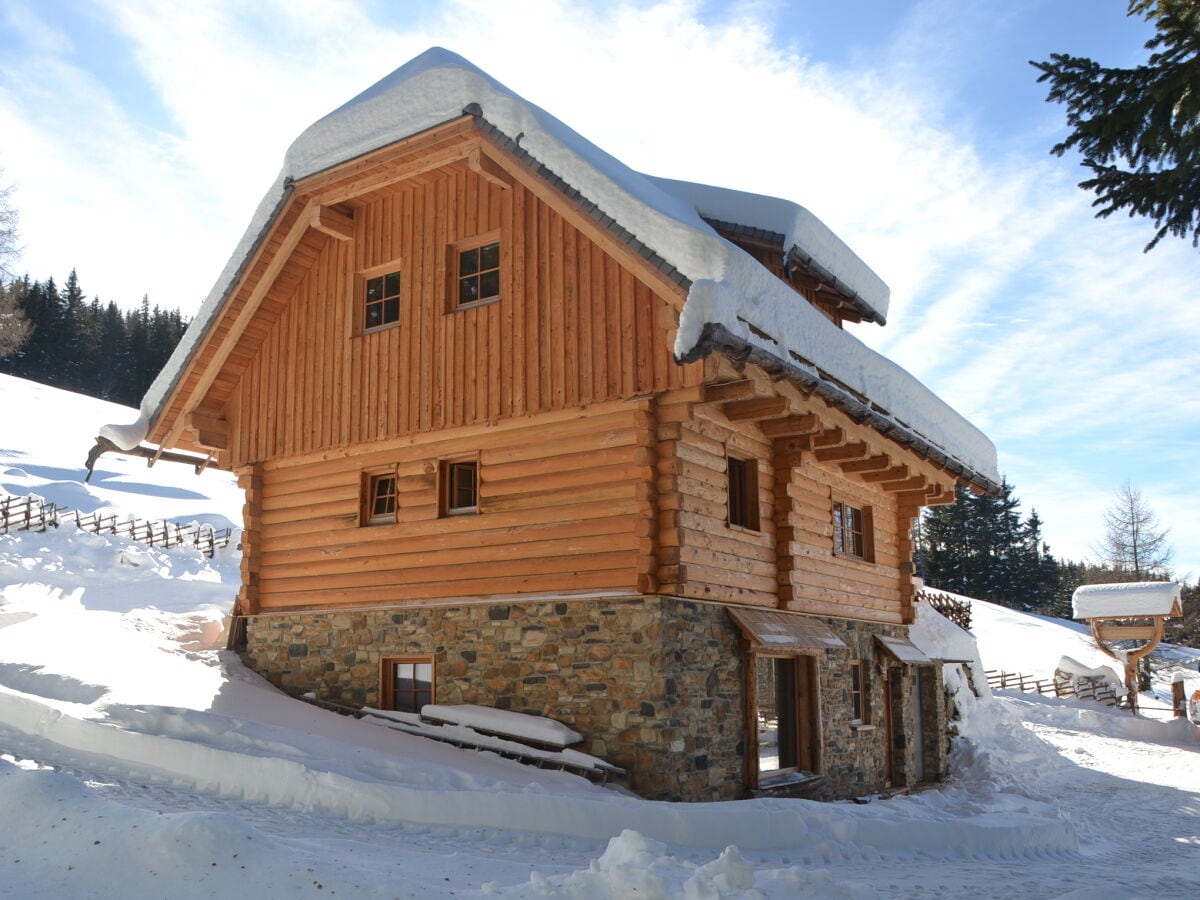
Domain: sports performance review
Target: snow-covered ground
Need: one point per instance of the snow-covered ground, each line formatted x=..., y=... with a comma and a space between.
x=138, y=759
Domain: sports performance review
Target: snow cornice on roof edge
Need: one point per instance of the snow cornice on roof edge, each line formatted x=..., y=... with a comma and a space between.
x=659, y=219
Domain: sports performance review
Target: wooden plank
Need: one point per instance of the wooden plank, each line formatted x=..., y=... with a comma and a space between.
x=754, y=409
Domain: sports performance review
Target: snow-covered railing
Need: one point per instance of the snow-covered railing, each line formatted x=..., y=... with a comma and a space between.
x=1080, y=690
x=32, y=513
x=957, y=611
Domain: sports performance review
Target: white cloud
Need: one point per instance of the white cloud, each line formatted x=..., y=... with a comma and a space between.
x=1009, y=299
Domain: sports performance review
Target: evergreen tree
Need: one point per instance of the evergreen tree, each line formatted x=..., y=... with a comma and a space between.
x=1138, y=129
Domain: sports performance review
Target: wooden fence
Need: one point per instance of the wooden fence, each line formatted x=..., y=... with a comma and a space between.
x=32, y=513
x=957, y=611
x=1105, y=693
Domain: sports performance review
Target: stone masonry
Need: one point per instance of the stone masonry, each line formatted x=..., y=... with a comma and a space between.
x=656, y=684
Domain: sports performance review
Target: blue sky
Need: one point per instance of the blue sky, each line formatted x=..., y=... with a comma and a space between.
x=140, y=136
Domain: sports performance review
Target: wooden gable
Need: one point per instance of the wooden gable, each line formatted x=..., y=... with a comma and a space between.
x=289, y=368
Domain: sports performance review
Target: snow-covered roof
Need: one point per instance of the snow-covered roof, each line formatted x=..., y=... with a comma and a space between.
x=731, y=297
x=1130, y=600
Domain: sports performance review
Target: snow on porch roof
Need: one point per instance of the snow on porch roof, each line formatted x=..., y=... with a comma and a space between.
x=731, y=297
x=1130, y=600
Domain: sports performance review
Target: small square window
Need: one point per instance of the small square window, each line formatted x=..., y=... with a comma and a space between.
x=852, y=531
x=407, y=684
x=460, y=488
x=742, y=478
x=380, y=499
x=478, y=278
x=382, y=301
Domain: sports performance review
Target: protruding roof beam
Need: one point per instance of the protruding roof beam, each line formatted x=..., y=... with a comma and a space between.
x=730, y=390
x=791, y=426
x=853, y=450
x=756, y=408
x=830, y=437
x=337, y=225
x=876, y=463
x=895, y=473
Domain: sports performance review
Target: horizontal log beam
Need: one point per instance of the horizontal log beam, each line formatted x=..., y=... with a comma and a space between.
x=730, y=390
x=756, y=408
x=337, y=225
x=854, y=450
x=895, y=473
x=875, y=463
x=830, y=437
x=792, y=426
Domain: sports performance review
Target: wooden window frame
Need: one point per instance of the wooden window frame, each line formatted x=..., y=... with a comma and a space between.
x=845, y=517
x=447, y=469
x=805, y=708
x=741, y=492
x=454, y=279
x=362, y=286
x=387, y=691
x=372, y=479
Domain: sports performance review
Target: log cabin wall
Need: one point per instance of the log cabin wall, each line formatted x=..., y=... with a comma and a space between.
x=572, y=326
x=825, y=583
x=704, y=557
x=562, y=507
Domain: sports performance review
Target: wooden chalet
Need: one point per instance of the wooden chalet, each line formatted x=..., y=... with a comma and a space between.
x=520, y=427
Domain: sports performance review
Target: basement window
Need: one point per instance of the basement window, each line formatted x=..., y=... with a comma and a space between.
x=406, y=683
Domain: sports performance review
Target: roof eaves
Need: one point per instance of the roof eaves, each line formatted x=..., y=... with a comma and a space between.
x=587, y=206
x=717, y=338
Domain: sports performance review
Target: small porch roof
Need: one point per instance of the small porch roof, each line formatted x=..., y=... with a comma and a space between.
x=776, y=631
x=1135, y=599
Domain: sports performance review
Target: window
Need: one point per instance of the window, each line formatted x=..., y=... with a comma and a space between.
x=858, y=693
x=379, y=506
x=382, y=301
x=460, y=487
x=852, y=531
x=478, y=275
x=742, y=477
x=407, y=683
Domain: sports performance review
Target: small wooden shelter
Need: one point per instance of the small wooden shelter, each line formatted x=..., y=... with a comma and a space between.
x=1130, y=612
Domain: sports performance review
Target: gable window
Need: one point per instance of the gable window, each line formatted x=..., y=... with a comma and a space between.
x=478, y=274
x=858, y=693
x=379, y=500
x=406, y=683
x=460, y=487
x=742, y=481
x=852, y=531
x=382, y=301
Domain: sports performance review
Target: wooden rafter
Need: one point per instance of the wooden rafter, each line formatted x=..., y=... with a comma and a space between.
x=876, y=463
x=830, y=437
x=790, y=426
x=730, y=390
x=337, y=225
x=853, y=450
x=895, y=473
x=755, y=408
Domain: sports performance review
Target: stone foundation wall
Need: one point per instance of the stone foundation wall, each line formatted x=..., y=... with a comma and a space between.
x=655, y=684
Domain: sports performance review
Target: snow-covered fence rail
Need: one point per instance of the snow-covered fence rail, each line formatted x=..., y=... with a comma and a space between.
x=27, y=514
x=32, y=513
x=1083, y=690
x=957, y=611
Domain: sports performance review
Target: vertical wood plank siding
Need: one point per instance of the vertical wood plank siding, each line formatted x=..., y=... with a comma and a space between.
x=572, y=327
